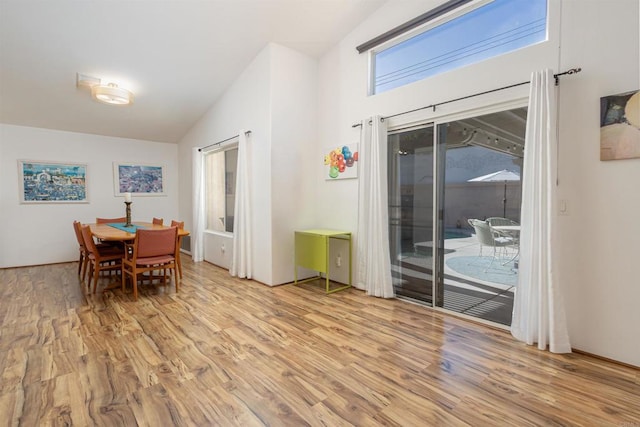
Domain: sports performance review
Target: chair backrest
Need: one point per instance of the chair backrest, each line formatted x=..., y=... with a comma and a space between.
x=157, y=221
x=497, y=220
x=77, y=228
x=179, y=224
x=483, y=232
x=87, y=237
x=150, y=242
x=106, y=220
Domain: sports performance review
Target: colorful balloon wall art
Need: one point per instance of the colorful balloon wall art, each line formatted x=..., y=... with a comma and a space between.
x=341, y=162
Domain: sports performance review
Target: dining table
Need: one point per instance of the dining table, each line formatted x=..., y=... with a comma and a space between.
x=118, y=232
x=106, y=232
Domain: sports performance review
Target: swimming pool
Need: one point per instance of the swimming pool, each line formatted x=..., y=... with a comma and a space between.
x=456, y=233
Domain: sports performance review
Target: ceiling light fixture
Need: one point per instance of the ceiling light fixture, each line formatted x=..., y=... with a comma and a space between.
x=111, y=94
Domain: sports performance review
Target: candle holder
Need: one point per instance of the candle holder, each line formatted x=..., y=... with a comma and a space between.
x=128, y=224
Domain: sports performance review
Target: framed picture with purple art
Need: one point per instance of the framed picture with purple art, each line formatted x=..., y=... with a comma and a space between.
x=139, y=179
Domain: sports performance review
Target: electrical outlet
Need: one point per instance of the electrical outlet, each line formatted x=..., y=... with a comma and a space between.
x=339, y=261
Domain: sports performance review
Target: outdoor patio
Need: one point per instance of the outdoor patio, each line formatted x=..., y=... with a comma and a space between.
x=473, y=284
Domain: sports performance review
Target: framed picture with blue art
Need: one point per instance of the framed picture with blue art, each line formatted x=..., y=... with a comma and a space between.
x=139, y=179
x=52, y=182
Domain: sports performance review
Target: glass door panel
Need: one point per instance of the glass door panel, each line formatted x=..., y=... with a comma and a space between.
x=479, y=191
x=411, y=213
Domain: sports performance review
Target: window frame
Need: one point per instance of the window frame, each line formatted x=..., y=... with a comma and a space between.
x=434, y=22
x=232, y=145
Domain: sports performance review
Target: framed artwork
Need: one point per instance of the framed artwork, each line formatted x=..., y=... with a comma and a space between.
x=139, y=179
x=341, y=162
x=620, y=126
x=52, y=182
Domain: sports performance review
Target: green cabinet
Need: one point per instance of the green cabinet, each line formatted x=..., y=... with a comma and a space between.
x=312, y=252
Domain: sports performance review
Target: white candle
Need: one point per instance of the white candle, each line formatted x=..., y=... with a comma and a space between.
x=127, y=197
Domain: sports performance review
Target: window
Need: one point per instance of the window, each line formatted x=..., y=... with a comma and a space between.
x=494, y=28
x=220, y=188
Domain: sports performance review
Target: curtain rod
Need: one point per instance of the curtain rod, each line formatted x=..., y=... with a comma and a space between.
x=556, y=76
x=224, y=140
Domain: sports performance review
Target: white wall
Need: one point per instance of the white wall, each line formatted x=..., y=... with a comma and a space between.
x=597, y=257
x=600, y=238
x=43, y=233
x=244, y=105
x=294, y=137
x=343, y=99
x=275, y=98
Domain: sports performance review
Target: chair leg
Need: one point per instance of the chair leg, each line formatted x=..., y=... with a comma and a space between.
x=123, y=279
x=90, y=277
x=80, y=261
x=85, y=268
x=179, y=264
x=96, y=275
x=493, y=258
x=134, y=280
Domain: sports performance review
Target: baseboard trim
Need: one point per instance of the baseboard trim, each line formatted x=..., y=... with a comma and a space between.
x=606, y=359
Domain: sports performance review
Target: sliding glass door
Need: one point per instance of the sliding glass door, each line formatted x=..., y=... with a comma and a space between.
x=454, y=213
x=410, y=172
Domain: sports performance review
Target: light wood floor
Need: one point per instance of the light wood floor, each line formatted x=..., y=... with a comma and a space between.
x=235, y=352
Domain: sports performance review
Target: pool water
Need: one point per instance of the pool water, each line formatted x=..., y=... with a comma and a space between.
x=456, y=233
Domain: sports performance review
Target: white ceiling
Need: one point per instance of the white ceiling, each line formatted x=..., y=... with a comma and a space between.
x=176, y=56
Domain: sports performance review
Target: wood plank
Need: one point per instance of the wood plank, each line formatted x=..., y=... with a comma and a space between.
x=225, y=351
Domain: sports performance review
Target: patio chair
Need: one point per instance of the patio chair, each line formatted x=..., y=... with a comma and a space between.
x=486, y=237
x=497, y=220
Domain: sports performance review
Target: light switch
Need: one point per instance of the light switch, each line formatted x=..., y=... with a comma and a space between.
x=563, y=207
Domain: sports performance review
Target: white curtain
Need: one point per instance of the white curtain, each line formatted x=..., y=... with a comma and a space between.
x=241, y=263
x=372, y=244
x=197, y=237
x=538, y=310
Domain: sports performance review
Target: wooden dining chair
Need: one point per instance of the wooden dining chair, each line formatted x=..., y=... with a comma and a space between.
x=157, y=221
x=180, y=226
x=152, y=250
x=84, y=258
x=107, y=220
x=105, y=258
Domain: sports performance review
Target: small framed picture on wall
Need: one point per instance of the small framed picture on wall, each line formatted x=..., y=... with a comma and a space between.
x=341, y=162
x=620, y=126
x=139, y=179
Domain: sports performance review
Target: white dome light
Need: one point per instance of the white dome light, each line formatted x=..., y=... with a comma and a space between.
x=112, y=94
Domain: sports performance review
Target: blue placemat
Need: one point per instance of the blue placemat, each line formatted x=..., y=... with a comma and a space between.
x=120, y=226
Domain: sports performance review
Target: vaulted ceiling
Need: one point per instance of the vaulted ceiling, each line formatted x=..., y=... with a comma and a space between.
x=176, y=56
